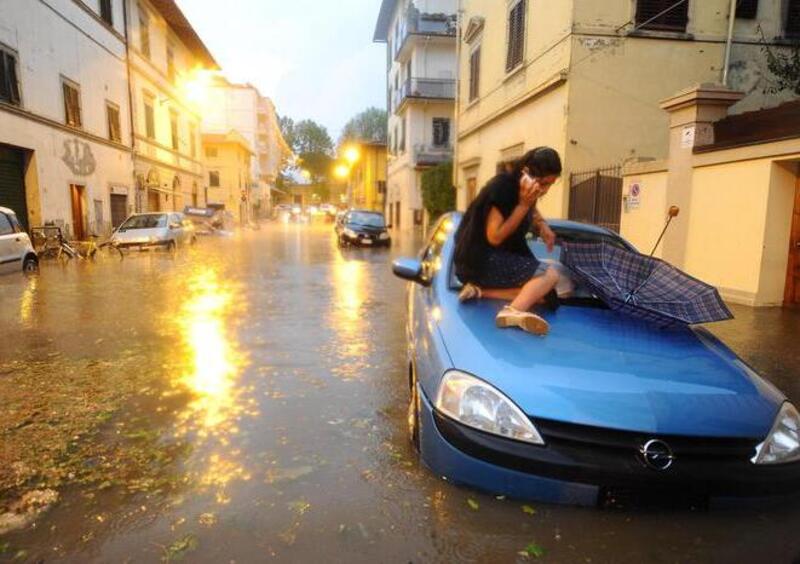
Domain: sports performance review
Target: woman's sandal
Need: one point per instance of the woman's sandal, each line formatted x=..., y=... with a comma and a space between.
x=525, y=320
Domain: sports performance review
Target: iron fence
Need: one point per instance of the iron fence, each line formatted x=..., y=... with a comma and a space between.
x=595, y=196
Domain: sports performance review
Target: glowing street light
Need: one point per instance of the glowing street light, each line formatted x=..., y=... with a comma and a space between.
x=352, y=154
x=305, y=173
x=341, y=171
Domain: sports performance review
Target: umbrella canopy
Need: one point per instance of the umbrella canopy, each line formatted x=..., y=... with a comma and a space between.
x=643, y=286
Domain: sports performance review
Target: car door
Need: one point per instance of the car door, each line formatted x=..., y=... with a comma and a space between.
x=176, y=227
x=425, y=310
x=10, y=248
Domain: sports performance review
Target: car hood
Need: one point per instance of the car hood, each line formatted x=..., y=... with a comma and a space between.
x=140, y=234
x=604, y=369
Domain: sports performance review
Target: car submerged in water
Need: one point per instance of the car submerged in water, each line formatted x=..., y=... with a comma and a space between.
x=362, y=228
x=167, y=230
x=604, y=407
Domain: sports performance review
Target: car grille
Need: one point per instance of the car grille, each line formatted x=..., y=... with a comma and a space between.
x=614, y=440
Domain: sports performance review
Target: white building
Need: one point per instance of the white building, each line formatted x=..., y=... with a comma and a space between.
x=421, y=88
x=242, y=108
x=166, y=84
x=65, y=136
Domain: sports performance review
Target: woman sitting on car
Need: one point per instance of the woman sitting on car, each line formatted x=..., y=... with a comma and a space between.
x=492, y=257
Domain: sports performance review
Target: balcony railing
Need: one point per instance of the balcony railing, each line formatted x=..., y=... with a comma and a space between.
x=428, y=88
x=428, y=155
x=417, y=23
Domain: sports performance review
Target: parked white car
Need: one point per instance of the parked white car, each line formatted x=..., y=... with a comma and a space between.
x=159, y=229
x=16, y=251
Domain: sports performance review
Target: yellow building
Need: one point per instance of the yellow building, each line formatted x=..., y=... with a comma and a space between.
x=736, y=180
x=586, y=78
x=165, y=55
x=368, y=177
x=228, y=164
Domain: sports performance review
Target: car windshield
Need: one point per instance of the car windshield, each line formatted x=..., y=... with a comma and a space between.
x=149, y=221
x=366, y=219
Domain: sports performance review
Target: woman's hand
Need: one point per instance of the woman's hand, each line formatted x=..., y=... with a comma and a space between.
x=530, y=190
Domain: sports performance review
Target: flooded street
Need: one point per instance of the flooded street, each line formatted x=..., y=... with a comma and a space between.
x=251, y=401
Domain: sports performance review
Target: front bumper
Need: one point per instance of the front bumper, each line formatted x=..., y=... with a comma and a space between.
x=566, y=471
x=128, y=245
x=366, y=240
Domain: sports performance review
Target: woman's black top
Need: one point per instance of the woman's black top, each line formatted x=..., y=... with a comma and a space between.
x=472, y=247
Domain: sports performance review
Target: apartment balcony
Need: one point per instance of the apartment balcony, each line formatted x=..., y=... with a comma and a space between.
x=424, y=90
x=428, y=28
x=431, y=155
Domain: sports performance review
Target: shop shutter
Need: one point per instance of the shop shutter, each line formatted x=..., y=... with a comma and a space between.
x=674, y=18
x=119, y=209
x=12, y=184
x=793, y=19
x=746, y=9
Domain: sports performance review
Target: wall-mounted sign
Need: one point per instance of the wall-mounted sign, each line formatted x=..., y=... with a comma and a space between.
x=687, y=137
x=633, y=200
x=78, y=157
x=123, y=190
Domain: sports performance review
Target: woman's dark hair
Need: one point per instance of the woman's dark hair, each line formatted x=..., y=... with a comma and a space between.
x=541, y=162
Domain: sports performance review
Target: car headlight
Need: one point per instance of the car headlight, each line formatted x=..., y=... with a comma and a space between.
x=153, y=239
x=783, y=442
x=350, y=233
x=384, y=235
x=476, y=404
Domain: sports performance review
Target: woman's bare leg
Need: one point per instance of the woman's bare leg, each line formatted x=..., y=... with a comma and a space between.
x=534, y=290
x=505, y=294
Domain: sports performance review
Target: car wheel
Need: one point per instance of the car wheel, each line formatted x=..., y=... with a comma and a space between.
x=30, y=265
x=413, y=414
x=172, y=246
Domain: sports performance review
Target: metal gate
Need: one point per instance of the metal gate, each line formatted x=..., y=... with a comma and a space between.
x=12, y=183
x=595, y=196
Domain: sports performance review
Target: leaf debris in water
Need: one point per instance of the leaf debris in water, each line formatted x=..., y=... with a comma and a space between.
x=178, y=549
x=473, y=504
x=533, y=550
x=528, y=510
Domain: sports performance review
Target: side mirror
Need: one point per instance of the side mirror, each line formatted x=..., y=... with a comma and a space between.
x=409, y=269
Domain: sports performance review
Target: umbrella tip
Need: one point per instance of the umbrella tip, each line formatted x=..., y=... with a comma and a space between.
x=674, y=211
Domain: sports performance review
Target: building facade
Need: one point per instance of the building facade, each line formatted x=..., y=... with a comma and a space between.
x=586, y=78
x=228, y=163
x=65, y=137
x=368, y=177
x=242, y=108
x=421, y=87
x=167, y=85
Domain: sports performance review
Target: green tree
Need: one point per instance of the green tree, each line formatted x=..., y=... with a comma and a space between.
x=369, y=125
x=312, y=144
x=438, y=192
x=784, y=64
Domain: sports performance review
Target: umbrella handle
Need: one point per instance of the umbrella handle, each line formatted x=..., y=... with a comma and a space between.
x=673, y=212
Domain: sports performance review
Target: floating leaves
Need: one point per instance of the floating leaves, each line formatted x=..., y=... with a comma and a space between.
x=473, y=504
x=533, y=550
x=528, y=510
x=178, y=549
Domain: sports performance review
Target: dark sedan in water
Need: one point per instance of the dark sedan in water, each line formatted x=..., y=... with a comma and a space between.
x=363, y=228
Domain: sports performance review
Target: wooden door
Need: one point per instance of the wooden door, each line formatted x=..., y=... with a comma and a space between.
x=78, y=212
x=792, y=294
x=472, y=190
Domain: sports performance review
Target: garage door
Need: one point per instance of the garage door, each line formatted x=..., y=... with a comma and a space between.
x=12, y=183
x=119, y=209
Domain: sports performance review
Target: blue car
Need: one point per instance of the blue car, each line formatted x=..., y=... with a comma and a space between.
x=604, y=407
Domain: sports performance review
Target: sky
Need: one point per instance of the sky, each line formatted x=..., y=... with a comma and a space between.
x=314, y=58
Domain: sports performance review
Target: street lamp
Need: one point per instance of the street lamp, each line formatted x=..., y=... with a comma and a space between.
x=341, y=171
x=352, y=154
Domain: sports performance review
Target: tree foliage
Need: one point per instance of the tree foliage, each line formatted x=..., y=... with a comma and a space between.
x=369, y=125
x=311, y=143
x=438, y=193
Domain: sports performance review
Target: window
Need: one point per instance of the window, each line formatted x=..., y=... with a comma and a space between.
x=441, y=132
x=746, y=9
x=144, y=32
x=516, y=36
x=474, y=74
x=213, y=178
x=72, y=103
x=665, y=15
x=112, y=116
x=5, y=225
x=193, y=140
x=211, y=152
x=793, y=19
x=402, y=139
x=106, y=12
x=171, y=63
x=381, y=187
x=149, y=117
x=9, y=86
x=173, y=129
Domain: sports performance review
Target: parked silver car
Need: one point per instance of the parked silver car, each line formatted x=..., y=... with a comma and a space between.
x=158, y=229
x=16, y=251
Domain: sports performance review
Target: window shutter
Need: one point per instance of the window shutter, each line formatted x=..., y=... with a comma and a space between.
x=516, y=36
x=13, y=83
x=675, y=18
x=793, y=18
x=5, y=90
x=474, y=73
x=746, y=9
x=105, y=12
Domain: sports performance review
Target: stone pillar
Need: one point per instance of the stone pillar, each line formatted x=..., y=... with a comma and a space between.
x=692, y=113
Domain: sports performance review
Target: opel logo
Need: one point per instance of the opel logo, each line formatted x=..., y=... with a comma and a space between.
x=657, y=454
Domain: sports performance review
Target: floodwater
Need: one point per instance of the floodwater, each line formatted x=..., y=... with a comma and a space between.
x=277, y=387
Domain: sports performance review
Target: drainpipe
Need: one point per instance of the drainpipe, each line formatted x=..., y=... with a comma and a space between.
x=456, y=143
x=136, y=194
x=729, y=41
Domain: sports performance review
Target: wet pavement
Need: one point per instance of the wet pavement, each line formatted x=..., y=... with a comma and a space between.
x=261, y=379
